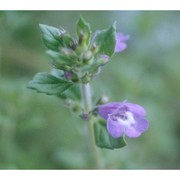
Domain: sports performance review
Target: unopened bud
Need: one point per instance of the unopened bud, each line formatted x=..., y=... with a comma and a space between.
x=103, y=100
x=76, y=107
x=81, y=37
x=104, y=58
x=94, y=48
x=101, y=60
x=85, y=116
x=86, y=78
x=68, y=103
x=68, y=75
x=67, y=51
x=87, y=56
x=61, y=66
x=96, y=66
x=67, y=68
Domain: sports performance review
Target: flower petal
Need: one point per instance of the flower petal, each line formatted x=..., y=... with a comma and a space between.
x=120, y=47
x=121, y=37
x=136, y=129
x=114, y=128
x=120, y=42
x=136, y=109
x=141, y=125
x=132, y=132
x=109, y=108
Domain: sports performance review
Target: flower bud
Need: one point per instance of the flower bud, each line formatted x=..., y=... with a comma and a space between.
x=102, y=100
x=94, y=48
x=96, y=66
x=67, y=68
x=86, y=78
x=61, y=66
x=81, y=37
x=68, y=103
x=67, y=52
x=69, y=75
x=85, y=116
x=104, y=58
x=76, y=107
x=87, y=56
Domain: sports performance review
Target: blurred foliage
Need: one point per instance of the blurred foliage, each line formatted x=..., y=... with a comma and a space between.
x=38, y=132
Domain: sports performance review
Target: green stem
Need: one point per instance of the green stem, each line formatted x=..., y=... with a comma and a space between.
x=87, y=104
x=86, y=97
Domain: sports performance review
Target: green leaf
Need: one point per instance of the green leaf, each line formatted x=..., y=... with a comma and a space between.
x=106, y=41
x=104, y=139
x=51, y=36
x=72, y=93
x=83, y=31
x=60, y=58
x=46, y=83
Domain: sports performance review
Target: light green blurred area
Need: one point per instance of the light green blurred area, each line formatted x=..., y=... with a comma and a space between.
x=38, y=132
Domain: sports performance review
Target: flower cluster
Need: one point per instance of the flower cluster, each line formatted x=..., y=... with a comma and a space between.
x=82, y=58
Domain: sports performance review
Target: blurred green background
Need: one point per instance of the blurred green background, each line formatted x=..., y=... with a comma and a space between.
x=38, y=132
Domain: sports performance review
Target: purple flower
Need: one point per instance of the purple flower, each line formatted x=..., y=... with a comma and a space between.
x=120, y=42
x=124, y=118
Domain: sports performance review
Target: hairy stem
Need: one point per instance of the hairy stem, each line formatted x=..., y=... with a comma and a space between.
x=87, y=104
x=86, y=97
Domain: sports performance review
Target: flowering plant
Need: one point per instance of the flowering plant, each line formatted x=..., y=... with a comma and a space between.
x=74, y=64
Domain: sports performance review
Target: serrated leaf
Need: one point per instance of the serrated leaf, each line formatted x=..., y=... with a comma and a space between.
x=106, y=41
x=104, y=140
x=46, y=83
x=50, y=36
x=83, y=30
